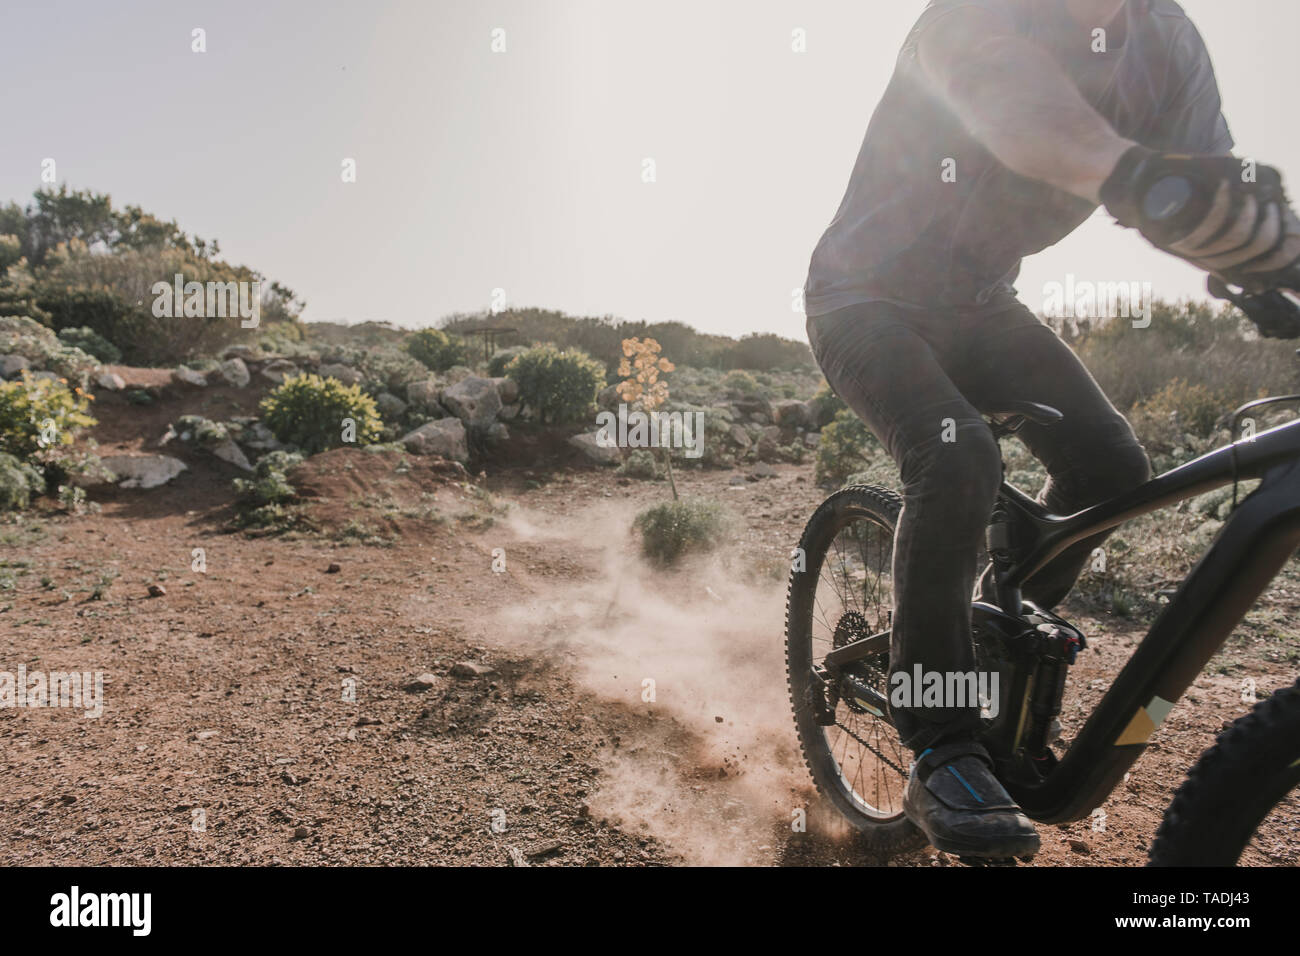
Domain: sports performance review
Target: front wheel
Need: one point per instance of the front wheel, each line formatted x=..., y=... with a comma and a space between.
x=1241, y=802
x=841, y=589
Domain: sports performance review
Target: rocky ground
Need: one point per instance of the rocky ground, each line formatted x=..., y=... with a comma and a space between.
x=437, y=671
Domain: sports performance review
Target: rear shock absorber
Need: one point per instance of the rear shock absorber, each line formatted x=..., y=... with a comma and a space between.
x=1058, y=646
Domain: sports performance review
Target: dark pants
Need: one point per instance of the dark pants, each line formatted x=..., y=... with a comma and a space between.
x=916, y=379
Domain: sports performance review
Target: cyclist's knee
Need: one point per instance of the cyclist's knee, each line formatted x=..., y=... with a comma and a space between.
x=962, y=461
x=1126, y=467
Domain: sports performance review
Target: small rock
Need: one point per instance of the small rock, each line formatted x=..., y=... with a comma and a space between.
x=420, y=683
x=301, y=833
x=544, y=848
x=471, y=669
x=157, y=590
x=205, y=735
x=1079, y=846
x=334, y=568
x=369, y=721
x=516, y=855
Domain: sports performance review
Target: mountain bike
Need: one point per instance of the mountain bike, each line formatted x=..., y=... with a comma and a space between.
x=838, y=617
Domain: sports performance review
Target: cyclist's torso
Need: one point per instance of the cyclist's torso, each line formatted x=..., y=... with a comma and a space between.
x=931, y=219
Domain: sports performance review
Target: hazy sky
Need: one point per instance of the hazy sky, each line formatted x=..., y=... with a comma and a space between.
x=522, y=170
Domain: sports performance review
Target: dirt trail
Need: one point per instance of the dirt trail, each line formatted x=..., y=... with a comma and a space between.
x=228, y=735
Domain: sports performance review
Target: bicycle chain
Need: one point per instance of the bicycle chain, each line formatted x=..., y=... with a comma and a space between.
x=899, y=770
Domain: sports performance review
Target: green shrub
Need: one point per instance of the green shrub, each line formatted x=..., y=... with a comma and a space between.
x=675, y=528
x=846, y=446
x=1193, y=407
x=269, y=484
x=740, y=381
x=21, y=335
x=503, y=357
x=308, y=411
x=38, y=414
x=558, y=386
x=825, y=405
x=639, y=464
x=18, y=482
x=437, y=350
x=261, y=499
x=92, y=343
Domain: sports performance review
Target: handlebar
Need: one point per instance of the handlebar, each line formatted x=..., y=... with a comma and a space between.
x=1275, y=314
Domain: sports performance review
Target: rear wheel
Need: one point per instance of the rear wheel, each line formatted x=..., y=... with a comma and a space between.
x=842, y=592
x=1240, y=804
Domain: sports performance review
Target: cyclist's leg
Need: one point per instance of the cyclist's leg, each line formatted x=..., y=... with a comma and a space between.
x=1090, y=456
x=888, y=374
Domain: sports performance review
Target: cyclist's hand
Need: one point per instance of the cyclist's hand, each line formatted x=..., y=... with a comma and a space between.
x=1229, y=217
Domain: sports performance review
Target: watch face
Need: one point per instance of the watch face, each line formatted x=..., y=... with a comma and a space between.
x=1166, y=198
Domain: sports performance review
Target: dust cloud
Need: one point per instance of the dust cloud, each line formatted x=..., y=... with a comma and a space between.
x=699, y=654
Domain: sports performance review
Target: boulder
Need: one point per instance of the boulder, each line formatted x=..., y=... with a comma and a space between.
x=245, y=352
x=11, y=365
x=389, y=405
x=424, y=395
x=260, y=438
x=228, y=451
x=753, y=408
x=445, y=437
x=188, y=376
x=474, y=401
x=234, y=372
x=590, y=446
x=820, y=414
x=458, y=373
x=791, y=413
x=344, y=373
x=739, y=436
x=45, y=373
x=110, y=380
x=277, y=370
x=507, y=389
x=498, y=431
x=509, y=413
x=608, y=397
x=143, y=471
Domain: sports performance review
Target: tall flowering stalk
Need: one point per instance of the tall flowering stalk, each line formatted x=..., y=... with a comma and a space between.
x=642, y=388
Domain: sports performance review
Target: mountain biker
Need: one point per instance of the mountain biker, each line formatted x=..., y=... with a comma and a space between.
x=1005, y=125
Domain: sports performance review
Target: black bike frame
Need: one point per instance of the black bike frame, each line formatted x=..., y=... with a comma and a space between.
x=1253, y=545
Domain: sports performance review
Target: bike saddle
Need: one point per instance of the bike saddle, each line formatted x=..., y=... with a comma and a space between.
x=1008, y=417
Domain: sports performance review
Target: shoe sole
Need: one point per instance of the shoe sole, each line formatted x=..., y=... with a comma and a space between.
x=1006, y=848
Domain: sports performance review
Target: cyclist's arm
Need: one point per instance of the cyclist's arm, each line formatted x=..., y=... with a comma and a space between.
x=1018, y=102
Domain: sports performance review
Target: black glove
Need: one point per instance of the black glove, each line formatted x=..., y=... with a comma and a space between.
x=1202, y=209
